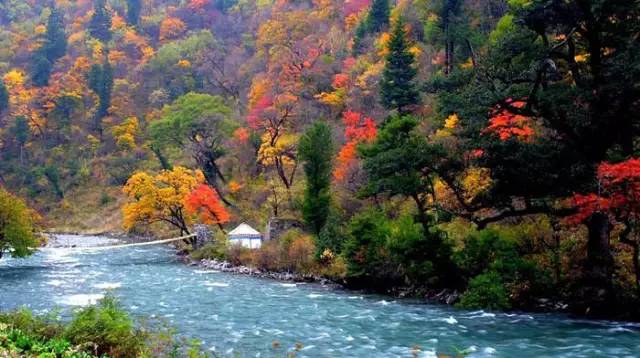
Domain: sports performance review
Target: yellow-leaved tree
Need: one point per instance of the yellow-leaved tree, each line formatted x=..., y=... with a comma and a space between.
x=160, y=198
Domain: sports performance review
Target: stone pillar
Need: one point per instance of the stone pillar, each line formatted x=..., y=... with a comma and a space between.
x=203, y=235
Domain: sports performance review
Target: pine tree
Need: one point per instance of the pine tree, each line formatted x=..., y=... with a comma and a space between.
x=100, y=81
x=100, y=23
x=378, y=17
x=316, y=150
x=40, y=69
x=398, y=91
x=4, y=97
x=55, y=45
x=133, y=11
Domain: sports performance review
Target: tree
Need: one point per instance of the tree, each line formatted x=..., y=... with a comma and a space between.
x=316, y=150
x=100, y=80
x=567, y=69
x=17, y=226
x=4, y=97
x=40, y=70
x=378, y=16
x=21, y=133
x=161, y=198
x=100, y=23
x=200, y=123
x=134, y=8
x=401, y=162
x=55, y=46
x=398, y=91
x=205, y=202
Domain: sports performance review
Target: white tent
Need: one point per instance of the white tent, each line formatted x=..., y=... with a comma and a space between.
x=246, y=236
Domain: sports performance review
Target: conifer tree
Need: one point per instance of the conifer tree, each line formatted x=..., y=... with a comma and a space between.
x=398, y=91
x=100, y=81
x=100, y=23
x=40, y=69
x=133, y=11
x=4, y=97
x=378, y=17
x=55, y=38
x=316, y=151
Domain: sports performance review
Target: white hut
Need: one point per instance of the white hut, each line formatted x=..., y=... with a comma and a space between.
x=246, y=236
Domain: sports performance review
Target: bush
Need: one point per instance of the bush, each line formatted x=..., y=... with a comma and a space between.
x=300, y=255
x=108, y=328
x=486, y=291
x=269, y=256
x=210, y=251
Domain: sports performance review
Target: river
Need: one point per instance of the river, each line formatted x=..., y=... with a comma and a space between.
x=243, y=316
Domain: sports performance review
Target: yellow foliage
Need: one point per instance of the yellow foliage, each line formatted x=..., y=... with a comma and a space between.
x=117, y=22
x=580, y=58
x=76, y=37
x=160, y=198
x=40, y=29
x=14, y=78
x=476, y=181
x=184, y=63
x=97, y=50
x=116, y=56
x=335, y=98
x=259, y=87
x=125, y=133
x=282, y=149
x=452, y=121
x=468, y=64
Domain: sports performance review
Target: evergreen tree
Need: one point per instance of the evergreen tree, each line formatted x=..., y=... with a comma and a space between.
x=4, y=97
x=40, y=69
x=397, y=88
x=21, y=134
x=100, y=81
x=133, y=11
x=55, y=45
x=359, y=37
x=100, y=23
x=316, y=150
x=378, y=17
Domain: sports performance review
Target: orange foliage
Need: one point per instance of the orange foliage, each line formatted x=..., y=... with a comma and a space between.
x=242, y=135
x=171, y=28
x=358, y=129
x=205, y=202
x=507, y=124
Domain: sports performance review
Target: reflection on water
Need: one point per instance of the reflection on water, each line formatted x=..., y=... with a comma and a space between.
x=248, y=316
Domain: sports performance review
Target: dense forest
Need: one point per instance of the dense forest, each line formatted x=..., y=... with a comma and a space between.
x=484, y=146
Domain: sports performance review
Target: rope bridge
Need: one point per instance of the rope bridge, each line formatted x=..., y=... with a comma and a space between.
x=146, y=243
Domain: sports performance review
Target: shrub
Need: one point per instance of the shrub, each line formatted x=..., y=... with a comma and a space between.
x=301, y=254
x=108, y=328
x=486, y=291
x=268, y=256
x=212, y=250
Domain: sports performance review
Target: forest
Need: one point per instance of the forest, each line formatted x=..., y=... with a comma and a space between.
x=486, y=147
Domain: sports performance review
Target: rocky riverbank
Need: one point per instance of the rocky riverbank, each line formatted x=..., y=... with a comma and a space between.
x=442, y=296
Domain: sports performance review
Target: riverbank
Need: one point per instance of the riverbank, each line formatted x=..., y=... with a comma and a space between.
x=449, y=297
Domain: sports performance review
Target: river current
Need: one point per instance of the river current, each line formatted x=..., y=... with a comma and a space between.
x=236, y=315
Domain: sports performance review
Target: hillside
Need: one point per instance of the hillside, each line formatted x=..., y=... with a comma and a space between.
x=486, y=146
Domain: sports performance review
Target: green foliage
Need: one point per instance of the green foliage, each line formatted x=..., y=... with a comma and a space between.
x=55, y=45
x=133, y=11
x=21, y=130
x=40, y=70
x=316, y=150
x=17, y=226
x=397, y=90
x=100, y=80
x=486, y=291
x=378, y=16
x=364, y=250
x=100, y=22
x=332, y=235
x=4, y=97
x=108, y=327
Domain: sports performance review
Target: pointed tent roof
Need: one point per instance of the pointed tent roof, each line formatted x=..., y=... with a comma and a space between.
x=244, y=230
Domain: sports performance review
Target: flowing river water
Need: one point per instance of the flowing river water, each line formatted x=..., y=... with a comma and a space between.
x=236, y=315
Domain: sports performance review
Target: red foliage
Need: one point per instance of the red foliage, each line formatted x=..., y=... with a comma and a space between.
x=205, y=202
x=507, y=124
x=254, y=118
x=340, y=80
x=242, y=135
x=619, y=193
x=358, y=129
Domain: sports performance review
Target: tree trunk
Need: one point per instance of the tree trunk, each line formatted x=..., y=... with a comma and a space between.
x=597, y=280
